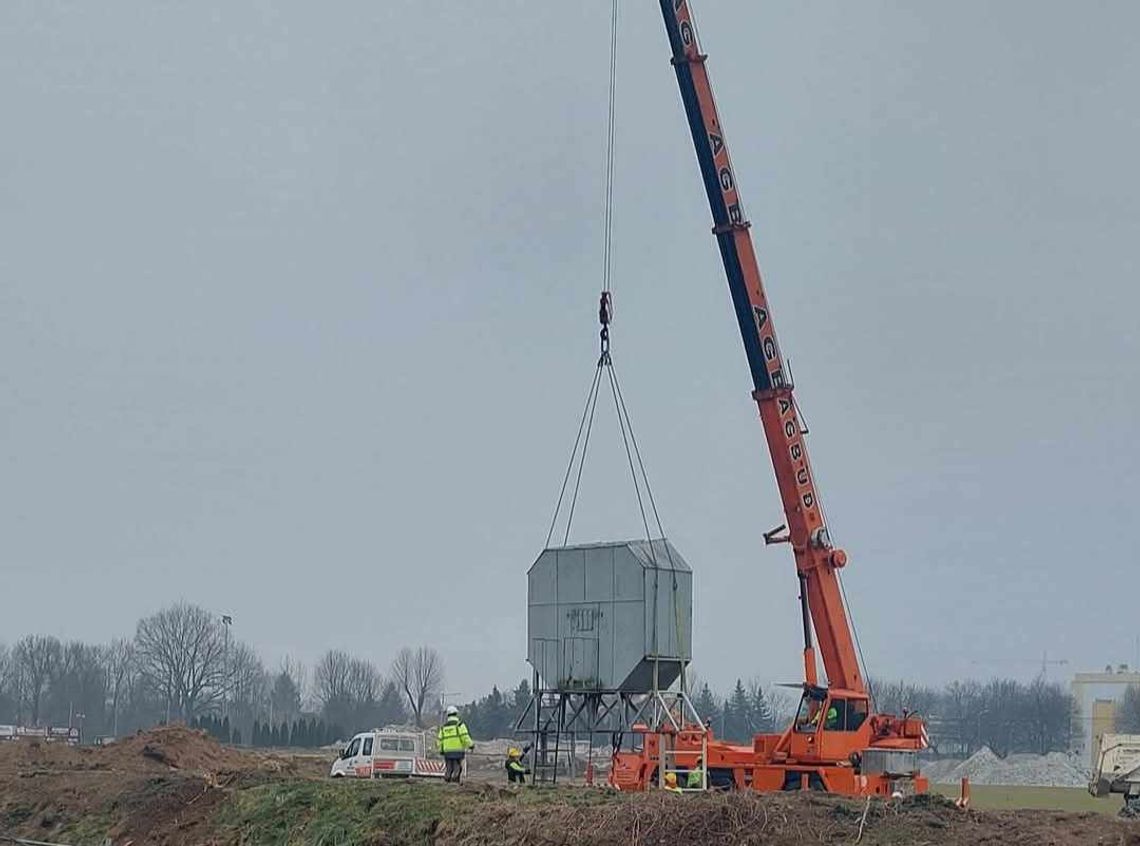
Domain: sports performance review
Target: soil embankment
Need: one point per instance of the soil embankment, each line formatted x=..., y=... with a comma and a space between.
x=175, y=787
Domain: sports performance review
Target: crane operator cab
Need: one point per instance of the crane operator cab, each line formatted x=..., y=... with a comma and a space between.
x=831, y=712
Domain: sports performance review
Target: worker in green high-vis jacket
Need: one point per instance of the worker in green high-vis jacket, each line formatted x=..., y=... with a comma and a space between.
x=454, y=744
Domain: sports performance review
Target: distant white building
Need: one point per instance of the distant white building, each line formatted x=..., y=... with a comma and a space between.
x=1096, y=696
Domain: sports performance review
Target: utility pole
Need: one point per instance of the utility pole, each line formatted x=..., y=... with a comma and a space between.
x=227, y=621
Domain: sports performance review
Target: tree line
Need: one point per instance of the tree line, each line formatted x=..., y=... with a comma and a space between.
x=747, y=711
x=1004, y=714
x=305, y=732
x=182, y=665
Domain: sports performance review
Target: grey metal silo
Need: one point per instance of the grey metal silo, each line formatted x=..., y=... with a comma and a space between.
x=601, y=617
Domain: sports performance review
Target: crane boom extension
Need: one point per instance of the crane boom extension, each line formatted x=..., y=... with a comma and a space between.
x=817, y=561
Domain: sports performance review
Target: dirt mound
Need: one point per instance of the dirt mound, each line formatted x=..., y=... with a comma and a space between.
x=179, y=748
x=33, y=755
x=161, y=749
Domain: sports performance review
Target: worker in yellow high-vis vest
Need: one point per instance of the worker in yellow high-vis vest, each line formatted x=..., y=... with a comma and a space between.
x=454, y=744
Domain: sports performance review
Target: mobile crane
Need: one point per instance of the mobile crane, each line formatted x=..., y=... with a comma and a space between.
x=835, y=743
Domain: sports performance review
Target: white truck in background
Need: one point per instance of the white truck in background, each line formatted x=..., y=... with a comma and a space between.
x=1118, y=770
x=387, y=753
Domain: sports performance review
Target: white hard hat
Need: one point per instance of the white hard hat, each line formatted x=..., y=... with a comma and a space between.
x=451, y=709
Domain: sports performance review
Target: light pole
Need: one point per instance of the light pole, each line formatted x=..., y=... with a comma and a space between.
x=227, y=621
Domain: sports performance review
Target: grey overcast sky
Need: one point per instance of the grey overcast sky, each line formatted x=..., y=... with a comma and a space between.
x=297, y=314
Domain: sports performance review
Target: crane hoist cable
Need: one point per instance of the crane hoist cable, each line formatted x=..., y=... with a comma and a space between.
x=605, y=370
x=605, y=367
x=607, y=253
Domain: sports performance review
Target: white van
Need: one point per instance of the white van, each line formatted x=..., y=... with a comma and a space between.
x=383, y=753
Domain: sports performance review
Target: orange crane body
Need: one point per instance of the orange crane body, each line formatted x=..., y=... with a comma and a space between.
x=827, y=747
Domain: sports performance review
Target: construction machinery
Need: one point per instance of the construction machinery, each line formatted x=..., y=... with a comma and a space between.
x=1117, y=770
x=836, y=742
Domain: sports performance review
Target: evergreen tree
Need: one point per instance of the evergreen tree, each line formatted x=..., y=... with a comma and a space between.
x=236, y=739
x=495, y=713
x=224, y=730
x=761, y=718
x=707, y=707
x=736, y=715
x=521, y=699
x=472, y=718
x=390, y=706
x=522, y=694
x=255, y=734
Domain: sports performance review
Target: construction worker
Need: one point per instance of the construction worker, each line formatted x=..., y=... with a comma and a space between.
x=516, y=770
x=454, y=744
x=695, y=780
x=831, y=721
x=671, y=783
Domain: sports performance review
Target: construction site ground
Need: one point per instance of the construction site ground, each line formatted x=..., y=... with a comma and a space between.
x=178, y=787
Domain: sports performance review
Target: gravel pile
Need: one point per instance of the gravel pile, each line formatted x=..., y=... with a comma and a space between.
x=1056, y=769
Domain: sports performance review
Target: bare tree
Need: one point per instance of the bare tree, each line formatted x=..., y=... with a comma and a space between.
x=182, y=653
x=364, y=681
x=36, y=658
x=8, y=693
x=1048, y=712
x=247, y=687
x=286, y=690
x=962, y=710
x=77, y=687
x=119, y=665
x=897, y=697
x=331, y=678
x=783, y=706
x=347, y=688
x=419, y=673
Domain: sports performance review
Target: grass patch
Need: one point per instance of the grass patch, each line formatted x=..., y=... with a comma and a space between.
x=336, y=813
x=343, y=812
x=16, y=815
x=1010, y=797
x=92, y=828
